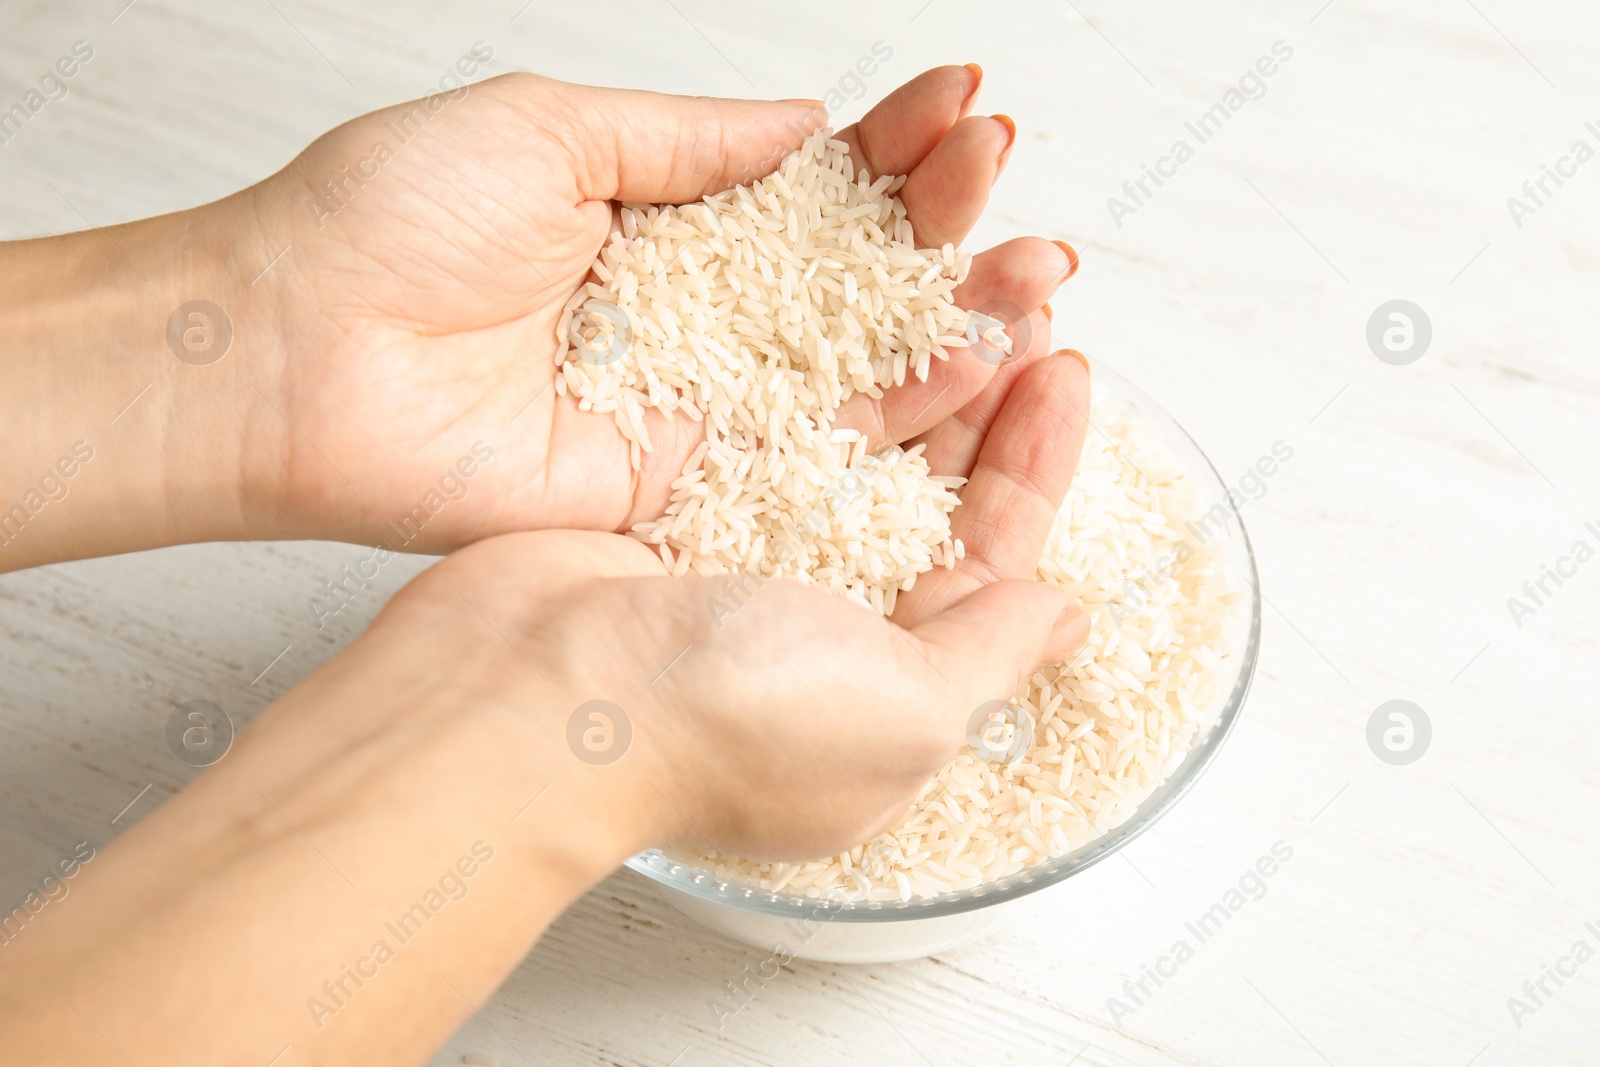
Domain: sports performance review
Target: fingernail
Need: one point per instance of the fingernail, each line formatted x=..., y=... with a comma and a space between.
x=1072, y=260
x=1050, y=316
x=802, y=101
x=1068, y=635
x=972, y=93
x=1079, y=356
x=1011, y=138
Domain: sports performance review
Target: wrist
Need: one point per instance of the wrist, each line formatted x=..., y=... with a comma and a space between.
x=113, y=360
x=566, y=780
x=403, y=803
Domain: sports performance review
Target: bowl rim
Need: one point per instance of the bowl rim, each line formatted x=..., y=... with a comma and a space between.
x=704, y=885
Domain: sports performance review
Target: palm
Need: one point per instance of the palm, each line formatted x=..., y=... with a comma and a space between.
x=434, y=289
x=809, y=670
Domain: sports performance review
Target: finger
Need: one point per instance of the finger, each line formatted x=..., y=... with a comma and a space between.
x=641, y=146
x=988, y=643
x=1004, y=282
x=905, y=411
x=1024, y=469
x=1008, y=281
x=1021, y=476
x=953, y=444
x=951, y=161
x=1024, y=271
x=904, y=126
x=946, y=192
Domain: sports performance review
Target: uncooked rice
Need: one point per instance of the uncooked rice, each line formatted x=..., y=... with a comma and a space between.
x=759, y=311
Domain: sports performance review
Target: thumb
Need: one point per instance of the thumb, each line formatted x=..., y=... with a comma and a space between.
x=988, y=644
x=653, y=147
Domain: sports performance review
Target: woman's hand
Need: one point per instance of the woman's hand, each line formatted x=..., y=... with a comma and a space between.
x=770, y=718
x=424, y=277
x=362, y=347
x=383, y=844
x=757, y=718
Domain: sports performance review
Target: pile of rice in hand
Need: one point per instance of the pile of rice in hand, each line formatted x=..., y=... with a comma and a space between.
x=757, y=312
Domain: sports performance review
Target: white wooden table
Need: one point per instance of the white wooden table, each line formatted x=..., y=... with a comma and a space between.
x=1376, y=166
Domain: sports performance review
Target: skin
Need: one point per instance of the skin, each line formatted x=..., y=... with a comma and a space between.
x=419, y=318
x=410, y=324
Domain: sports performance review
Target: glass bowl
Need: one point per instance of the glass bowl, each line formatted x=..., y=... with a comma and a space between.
x=882, y=931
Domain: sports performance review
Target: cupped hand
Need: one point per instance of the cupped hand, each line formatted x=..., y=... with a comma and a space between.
x=430, y=249
x=769, y=718
x=799, y=725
